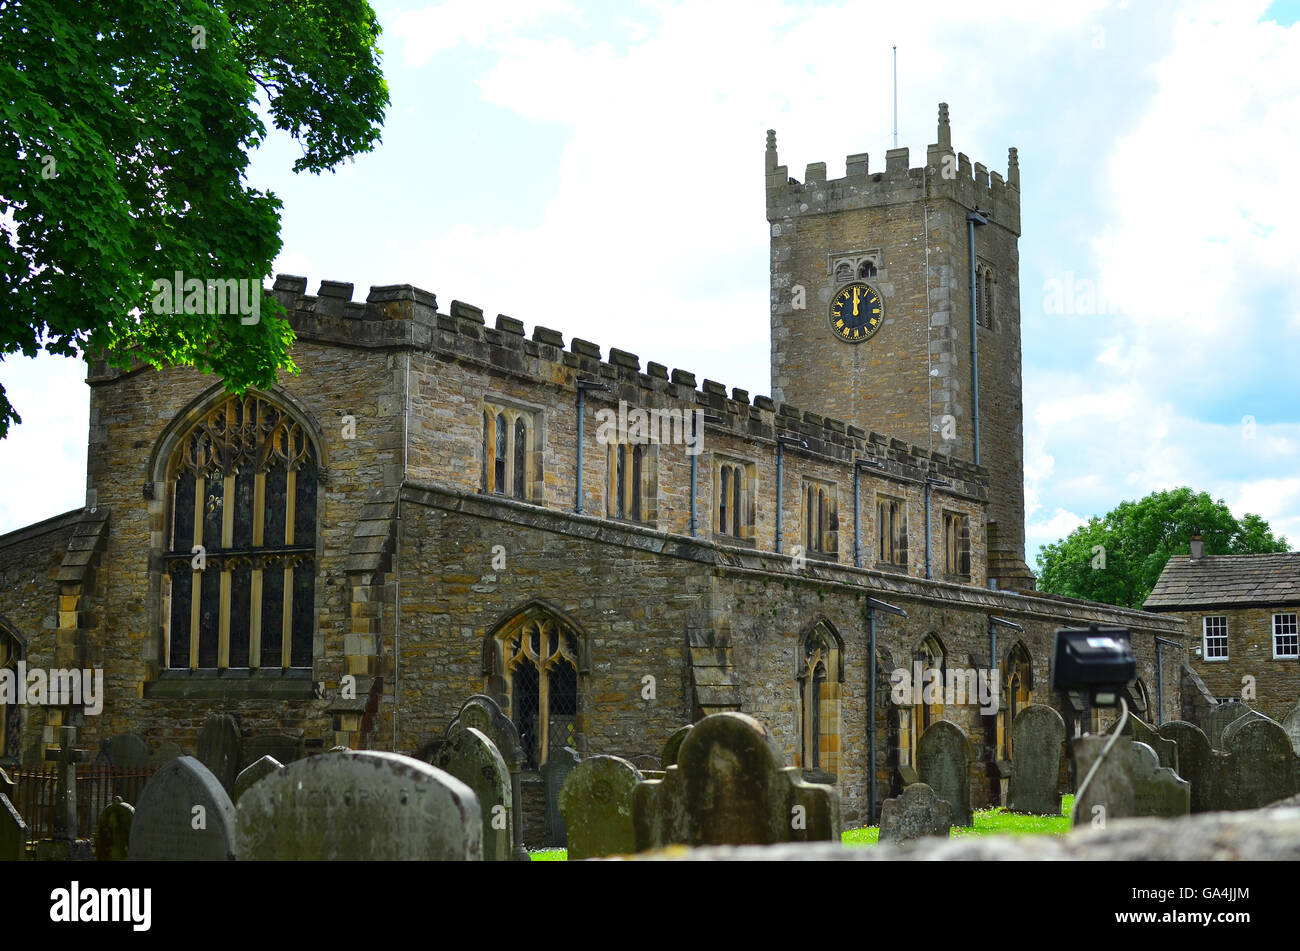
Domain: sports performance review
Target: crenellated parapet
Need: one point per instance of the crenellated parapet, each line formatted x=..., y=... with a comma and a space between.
x=946, y=174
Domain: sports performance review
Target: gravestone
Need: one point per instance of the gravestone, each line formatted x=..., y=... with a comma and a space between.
x=1221, y=716
x=1241, y=721
x=1262, y=769
x=470, y=757
x=916, y=813
x=13, y=832
x=165, y=753
x=728, y=788
x=113, y=832
x=185, y=815
x=1195, y=762
x=597, y=806
x=280, y=747
x=943, y=758
x=1037, y=738
x=361, y=805
x=219, y=748
x=669, y=757
x=1141, y=732
x=253, y=772
x=557, y=768
x=1291, y=723
x=1109, y=794
x=1157, y=790
x=127, y=751
x=485, y=715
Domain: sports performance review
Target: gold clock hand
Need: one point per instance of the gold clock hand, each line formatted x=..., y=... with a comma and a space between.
x=855, y=302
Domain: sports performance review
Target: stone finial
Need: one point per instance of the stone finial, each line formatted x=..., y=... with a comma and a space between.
x=945, y=130
x=770, y=155
x=1013, y=167
x=771, y=140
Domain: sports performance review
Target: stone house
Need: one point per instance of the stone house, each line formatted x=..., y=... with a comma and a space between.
x=1241, y=613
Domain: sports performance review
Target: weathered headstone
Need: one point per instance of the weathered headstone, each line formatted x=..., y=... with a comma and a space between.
x=1037, y=738
x=1109, y=794
x=1195, y=762
x=597, y=805
x=1262, y=768
x=669, y=757
x=219, y=748
x=253, y=772
x=916, y=813
x=1221, y=716
x=943, y=757
x=165, y=753
x=184, y=814
x=13, y=832
x=127, y=751
x=113, y=832
x=1157, y=790
x=555, y=771
x=65, y=789
x=474, y=760
x=728, y=788
x=1141, y=732
x=484, y=714
x=1291, y=723
x=360, y=806
x=281, y=747
x=1241, y=721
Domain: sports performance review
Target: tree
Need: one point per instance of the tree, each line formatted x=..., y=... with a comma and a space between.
x=1118, y=558
x=124, y=138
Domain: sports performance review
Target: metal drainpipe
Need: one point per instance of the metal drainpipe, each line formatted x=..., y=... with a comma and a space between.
x=695, y=463
x=577, y=501
x=857, y=521
x=929, y=572
x=1160, y=678
x=780, y=459
x=972, y=219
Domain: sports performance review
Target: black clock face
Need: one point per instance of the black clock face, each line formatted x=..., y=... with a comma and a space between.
x=856, y=312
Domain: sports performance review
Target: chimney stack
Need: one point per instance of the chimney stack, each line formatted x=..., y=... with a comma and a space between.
x=1197, y=547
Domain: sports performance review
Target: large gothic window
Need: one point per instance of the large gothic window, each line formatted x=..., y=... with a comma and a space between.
x=820, y=674
x=241, y=559
x=11, y=653
x=537, y=657
x=1017, y=681
x=930, y=661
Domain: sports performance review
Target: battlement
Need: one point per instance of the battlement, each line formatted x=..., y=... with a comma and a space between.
x=946, y=174
x=404, y=316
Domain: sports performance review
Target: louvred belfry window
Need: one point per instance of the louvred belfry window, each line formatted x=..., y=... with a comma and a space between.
x=241, y=559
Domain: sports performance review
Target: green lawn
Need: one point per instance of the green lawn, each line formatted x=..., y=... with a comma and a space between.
x=987, y=822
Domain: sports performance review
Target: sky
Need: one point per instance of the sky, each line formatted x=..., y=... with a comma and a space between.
x=544, y=158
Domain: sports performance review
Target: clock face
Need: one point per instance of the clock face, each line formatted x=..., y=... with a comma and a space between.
x=856, y=312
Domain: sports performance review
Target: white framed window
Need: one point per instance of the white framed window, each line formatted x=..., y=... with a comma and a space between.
x=1286, y=637
x=1214, y=638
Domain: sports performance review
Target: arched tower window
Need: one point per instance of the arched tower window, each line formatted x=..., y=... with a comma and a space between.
x=820, y=674
x=241, y=554
x=843, y=273
x=11, y=725
x=536, y=655
x=867, y=269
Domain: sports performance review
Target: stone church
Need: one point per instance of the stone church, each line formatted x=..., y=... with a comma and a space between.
x=439, y=505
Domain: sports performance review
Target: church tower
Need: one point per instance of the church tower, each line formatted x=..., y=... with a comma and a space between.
x=872, y=286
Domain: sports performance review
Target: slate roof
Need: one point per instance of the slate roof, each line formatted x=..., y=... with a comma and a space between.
x=1227, y=579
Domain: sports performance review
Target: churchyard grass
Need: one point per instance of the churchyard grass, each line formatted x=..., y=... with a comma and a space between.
x=987, y=822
